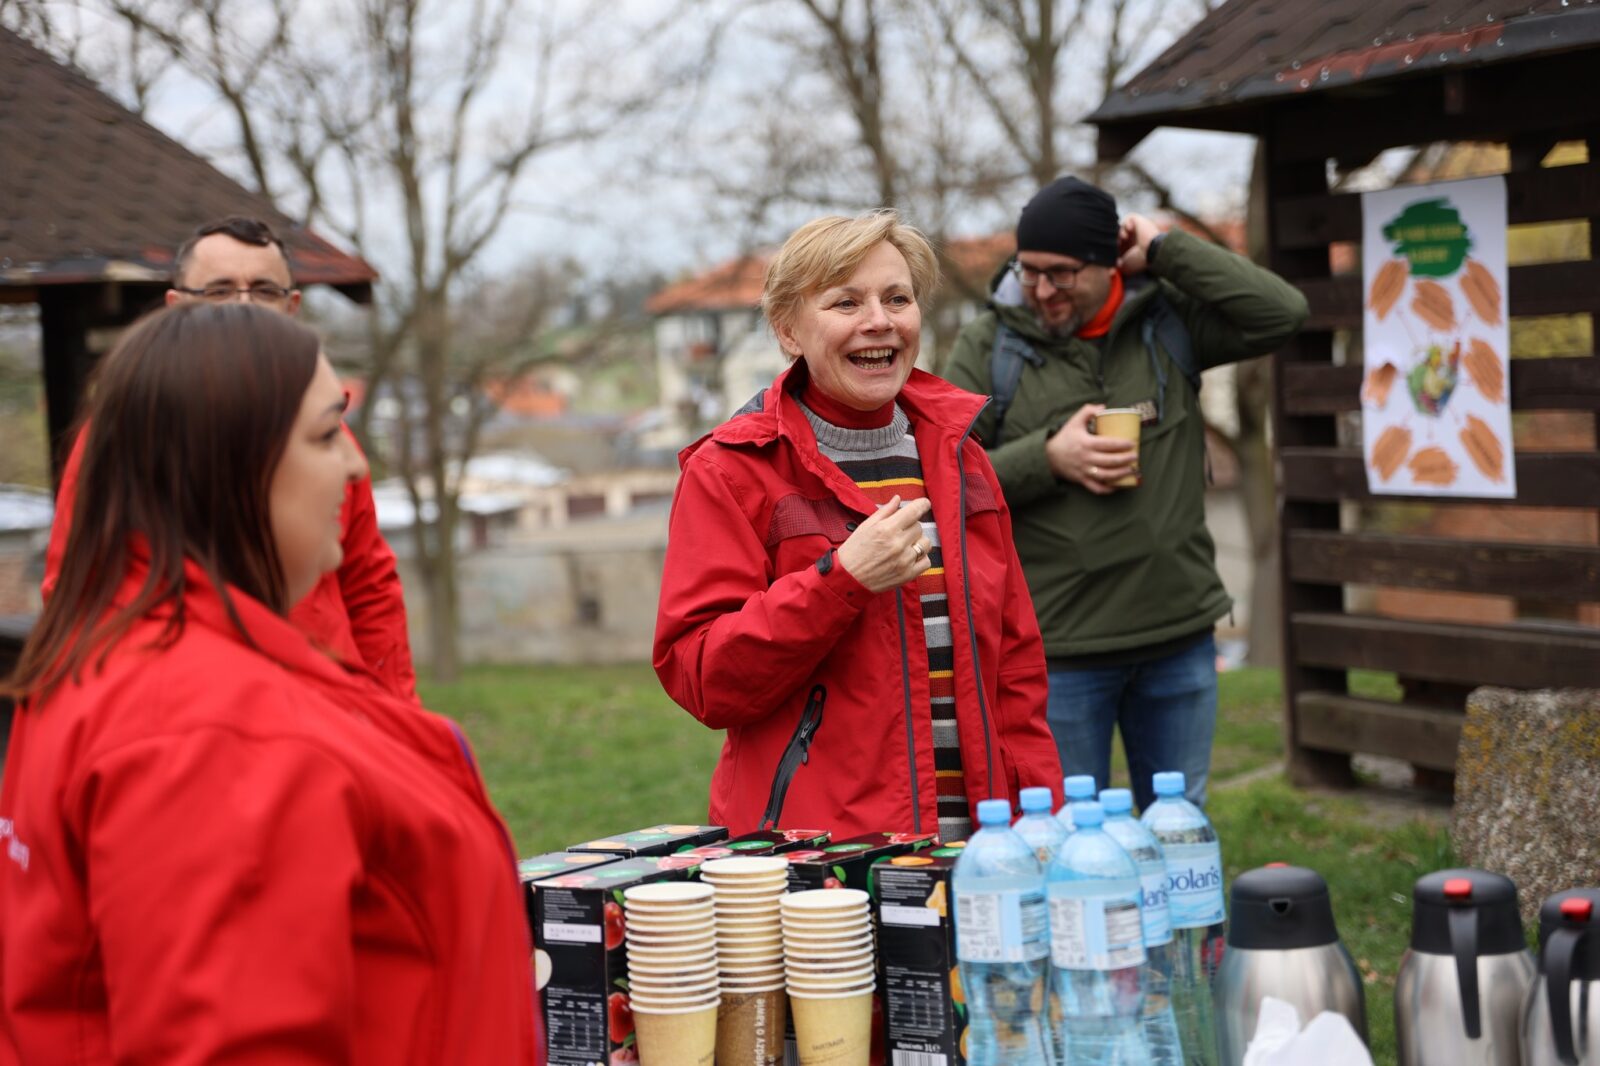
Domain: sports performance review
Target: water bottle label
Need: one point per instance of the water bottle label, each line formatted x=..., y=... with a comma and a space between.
x=1194, y=884
x=1098, y=933
x=1010, y=925
x=1153, y=908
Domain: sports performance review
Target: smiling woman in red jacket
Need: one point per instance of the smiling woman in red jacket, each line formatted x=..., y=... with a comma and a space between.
x=216, y=842
x=841, y=593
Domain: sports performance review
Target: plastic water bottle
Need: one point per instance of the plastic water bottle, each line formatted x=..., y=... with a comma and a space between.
x=1079, y=788
x=1096, y=945
x=1194, y=896
x=1002, y=942
x=1160, y=1024
x=1038, y=827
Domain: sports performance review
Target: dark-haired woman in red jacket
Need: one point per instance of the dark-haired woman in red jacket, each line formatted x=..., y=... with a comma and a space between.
x=220, y=845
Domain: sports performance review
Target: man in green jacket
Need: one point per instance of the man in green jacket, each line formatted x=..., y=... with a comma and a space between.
x=1098, y=315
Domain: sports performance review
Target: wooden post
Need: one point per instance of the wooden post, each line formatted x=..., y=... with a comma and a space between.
x=1307, y=766
x=64, y=320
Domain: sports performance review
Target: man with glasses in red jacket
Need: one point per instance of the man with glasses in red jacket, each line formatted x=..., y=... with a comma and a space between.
x=356, y=612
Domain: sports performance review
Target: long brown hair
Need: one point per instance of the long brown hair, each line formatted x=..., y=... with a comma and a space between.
x=191, y=412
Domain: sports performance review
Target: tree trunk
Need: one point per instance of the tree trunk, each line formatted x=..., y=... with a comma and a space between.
x=433, y=348
x=1257, y=472
x=444, y=606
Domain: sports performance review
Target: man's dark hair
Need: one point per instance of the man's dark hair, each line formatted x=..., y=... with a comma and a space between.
x=240, y=228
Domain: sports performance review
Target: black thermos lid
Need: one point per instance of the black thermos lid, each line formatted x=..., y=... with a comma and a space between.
x=1279, y=907
x=1577, y=909
x=1492, y=896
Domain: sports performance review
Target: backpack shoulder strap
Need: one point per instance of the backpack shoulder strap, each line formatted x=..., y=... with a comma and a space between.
x=1011, y=351
x=1163, y=324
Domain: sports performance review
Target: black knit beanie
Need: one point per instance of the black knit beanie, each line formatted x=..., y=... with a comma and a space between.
x=1070, y=217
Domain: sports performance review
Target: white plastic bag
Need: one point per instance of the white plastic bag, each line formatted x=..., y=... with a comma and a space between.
x=1330, y=1039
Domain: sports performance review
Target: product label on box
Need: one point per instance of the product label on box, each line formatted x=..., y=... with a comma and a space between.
x=895, y=914
x=902, y=1057
x=575, y=1023
x=1153, y=908
x=1194, y=884
x=560, y=933
x=1009, y=925
x=1095, y=932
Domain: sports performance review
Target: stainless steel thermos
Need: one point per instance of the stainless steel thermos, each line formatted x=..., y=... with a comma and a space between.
x=1462, y=986
x=1282, y=942
x=1561, y=1021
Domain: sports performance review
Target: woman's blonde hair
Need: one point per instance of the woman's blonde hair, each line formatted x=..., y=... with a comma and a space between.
x=826, y=251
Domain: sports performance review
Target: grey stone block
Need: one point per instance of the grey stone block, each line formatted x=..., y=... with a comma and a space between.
x=1527, y=783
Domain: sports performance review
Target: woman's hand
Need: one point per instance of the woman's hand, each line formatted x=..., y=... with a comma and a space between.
x=888, y=548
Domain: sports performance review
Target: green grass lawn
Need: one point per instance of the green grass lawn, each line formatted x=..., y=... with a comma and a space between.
x=574, y=753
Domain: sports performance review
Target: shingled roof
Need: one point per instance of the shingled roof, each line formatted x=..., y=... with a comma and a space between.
x=1248, y=52
x=91, y=192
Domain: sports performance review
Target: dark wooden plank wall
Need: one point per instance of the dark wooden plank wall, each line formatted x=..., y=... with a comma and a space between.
x=1322, y=641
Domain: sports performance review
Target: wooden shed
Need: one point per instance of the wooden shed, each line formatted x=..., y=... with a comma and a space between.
x=1327, y=87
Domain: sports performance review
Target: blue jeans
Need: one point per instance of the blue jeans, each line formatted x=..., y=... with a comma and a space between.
x=1166, y=709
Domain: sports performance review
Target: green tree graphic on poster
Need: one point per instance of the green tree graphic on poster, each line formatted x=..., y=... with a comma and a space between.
x=1431, y=236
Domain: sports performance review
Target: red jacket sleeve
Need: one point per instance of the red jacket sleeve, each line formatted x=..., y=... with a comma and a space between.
x=224, y=871
x=369, y=584
x=61, y=523
x=732, y=639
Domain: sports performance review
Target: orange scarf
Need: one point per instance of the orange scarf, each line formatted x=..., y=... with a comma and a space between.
x=1100, y=324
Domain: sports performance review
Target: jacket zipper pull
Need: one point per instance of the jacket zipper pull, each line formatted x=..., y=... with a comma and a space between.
x=810, y=720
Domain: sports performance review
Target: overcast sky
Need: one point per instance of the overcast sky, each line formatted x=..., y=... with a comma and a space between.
x=614, y=204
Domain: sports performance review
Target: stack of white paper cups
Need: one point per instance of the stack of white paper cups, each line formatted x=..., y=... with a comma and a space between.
x=830, y=972
x=672, y=972
x=750, y=1026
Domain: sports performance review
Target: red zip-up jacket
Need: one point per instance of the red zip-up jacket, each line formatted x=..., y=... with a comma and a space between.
x=215, y=853
x=357, y=612
x=821, y=685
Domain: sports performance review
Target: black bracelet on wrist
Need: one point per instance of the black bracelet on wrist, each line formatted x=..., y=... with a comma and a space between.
x=825, y=563
x=1150, y=252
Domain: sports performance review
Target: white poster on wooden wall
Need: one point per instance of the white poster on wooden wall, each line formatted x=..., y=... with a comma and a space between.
x=1435, y=406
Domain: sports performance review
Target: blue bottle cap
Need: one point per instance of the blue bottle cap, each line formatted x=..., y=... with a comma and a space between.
x=1079, y=787
x=1116, y=800
x=1087, y=813
x=1169, y=783
x=1036, y=799
x=994, y=812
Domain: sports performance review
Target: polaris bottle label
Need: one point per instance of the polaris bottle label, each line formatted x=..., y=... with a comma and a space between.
x=1194, y=884
x=1005, y=926
x=1154, y=909
x=1095, y=933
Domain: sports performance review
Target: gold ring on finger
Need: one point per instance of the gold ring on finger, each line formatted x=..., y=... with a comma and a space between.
x=916, y=551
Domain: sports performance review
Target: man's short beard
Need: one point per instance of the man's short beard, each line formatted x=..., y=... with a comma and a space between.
x=1066, y=329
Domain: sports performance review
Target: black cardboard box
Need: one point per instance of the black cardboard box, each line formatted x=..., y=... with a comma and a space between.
x=844, y=863
x=776, y=841
x=655, y=840
x=925, y=1012
x=579, y=939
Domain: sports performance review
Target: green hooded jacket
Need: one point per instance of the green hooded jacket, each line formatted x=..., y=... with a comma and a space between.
x=1136, y=568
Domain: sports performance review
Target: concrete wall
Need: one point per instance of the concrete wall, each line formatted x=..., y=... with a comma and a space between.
x=586, y=597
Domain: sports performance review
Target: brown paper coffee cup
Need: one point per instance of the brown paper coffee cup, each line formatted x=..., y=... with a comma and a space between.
x=1123, y=424
x=688, y=1039
x=750, y=1027
x=833, y=1032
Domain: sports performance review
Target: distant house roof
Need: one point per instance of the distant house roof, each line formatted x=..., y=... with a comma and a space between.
x=737, y=283
x=1249, y=51
x=91, y=192
x=725, y=287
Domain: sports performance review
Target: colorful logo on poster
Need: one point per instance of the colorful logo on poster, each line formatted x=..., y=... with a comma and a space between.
x=1431, y=236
